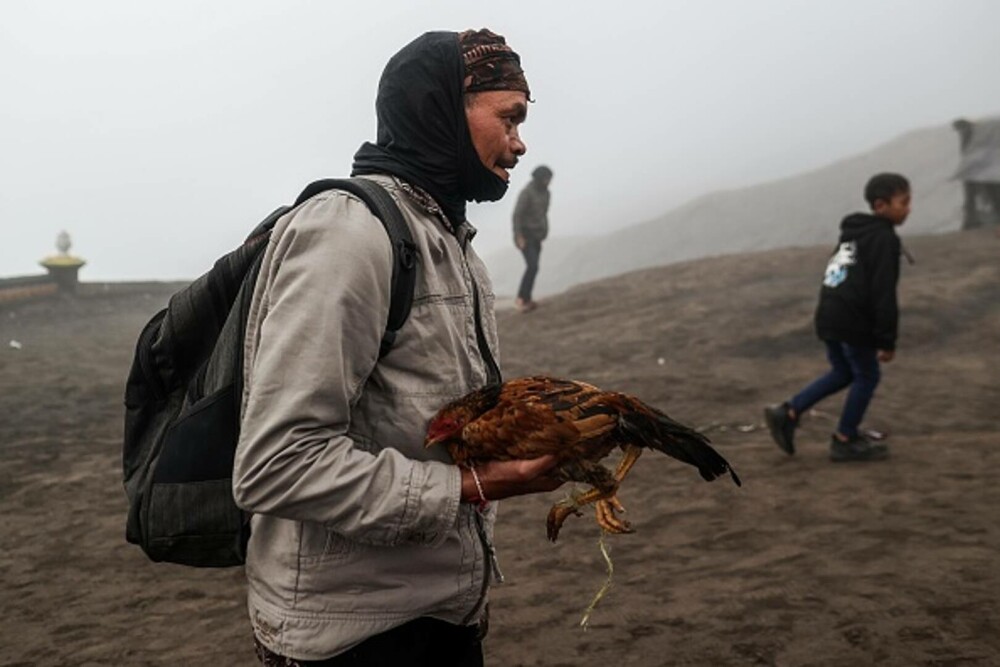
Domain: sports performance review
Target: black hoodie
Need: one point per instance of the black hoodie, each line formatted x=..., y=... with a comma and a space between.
x=423, y=136
x=857, y=302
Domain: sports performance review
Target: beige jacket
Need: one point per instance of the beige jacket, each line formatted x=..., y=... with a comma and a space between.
x=357, y=527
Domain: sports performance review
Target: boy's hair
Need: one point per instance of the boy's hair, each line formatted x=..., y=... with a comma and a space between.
x=885, y=186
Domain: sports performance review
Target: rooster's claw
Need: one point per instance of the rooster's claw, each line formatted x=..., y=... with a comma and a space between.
x=558, y=515
x=607, y=516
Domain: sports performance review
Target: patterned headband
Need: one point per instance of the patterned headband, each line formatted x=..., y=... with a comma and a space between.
x=489, y=63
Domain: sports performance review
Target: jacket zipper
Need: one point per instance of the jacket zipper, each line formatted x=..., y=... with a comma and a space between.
x=491, y=566
x=493, y=376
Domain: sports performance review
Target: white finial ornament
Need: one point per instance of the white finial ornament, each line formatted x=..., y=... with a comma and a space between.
x=63, y=243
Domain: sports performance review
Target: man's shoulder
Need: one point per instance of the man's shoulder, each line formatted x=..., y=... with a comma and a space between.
x=332, y=213
x=331, y=228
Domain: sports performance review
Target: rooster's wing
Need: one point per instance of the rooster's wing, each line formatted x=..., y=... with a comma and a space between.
x=538, y=415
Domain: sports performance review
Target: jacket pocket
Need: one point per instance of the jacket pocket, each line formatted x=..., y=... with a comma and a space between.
x=319, y=544
x=428, y=358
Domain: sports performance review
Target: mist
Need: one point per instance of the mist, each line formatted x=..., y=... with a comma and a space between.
x=158, y=135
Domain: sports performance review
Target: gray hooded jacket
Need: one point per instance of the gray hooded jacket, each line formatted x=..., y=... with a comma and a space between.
x=357, y=527
x=531, y=213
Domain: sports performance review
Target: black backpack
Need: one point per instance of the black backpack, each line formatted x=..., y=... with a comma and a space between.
x=182, y=398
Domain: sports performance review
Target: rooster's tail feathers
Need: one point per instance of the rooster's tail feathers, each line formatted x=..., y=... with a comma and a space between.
x=658, y=431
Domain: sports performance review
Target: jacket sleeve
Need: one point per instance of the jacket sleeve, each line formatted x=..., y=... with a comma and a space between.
x=884, y=277
x=522, y=212
x=323, y=311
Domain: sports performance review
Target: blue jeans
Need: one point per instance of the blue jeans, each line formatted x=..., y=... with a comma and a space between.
x=852, y=366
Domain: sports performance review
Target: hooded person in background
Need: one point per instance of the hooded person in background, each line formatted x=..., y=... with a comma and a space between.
x=531, y=226
x=366, y=547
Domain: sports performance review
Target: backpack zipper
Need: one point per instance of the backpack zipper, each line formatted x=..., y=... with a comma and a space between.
x=492, y=369
x=145, y=354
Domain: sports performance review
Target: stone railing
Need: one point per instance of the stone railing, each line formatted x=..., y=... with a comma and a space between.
x=62, y=278
x=27, y=287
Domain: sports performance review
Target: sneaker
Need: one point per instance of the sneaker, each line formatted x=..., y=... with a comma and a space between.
x=782, y=427
x=874, y=435
x=858, y=448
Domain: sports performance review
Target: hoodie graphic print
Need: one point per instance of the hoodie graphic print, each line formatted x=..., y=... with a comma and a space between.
x=836, y=268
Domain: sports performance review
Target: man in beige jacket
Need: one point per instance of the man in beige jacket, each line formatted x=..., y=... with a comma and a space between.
x=367, y=548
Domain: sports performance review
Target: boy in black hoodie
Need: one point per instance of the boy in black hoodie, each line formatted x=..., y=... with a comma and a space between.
x=857, y=319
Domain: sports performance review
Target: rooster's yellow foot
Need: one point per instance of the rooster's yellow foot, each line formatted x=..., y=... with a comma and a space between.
x=607, y=516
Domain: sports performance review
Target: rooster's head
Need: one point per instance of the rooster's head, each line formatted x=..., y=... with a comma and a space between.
x=449, y=421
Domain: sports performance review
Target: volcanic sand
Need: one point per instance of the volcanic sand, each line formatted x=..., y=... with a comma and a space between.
x=809, y=563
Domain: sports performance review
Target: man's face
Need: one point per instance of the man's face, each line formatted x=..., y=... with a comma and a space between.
x=494, y=117
x=896, y=209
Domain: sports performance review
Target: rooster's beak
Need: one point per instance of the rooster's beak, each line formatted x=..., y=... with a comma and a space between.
x=430, y=442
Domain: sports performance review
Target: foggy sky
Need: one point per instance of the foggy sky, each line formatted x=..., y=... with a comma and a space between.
x=158, y=134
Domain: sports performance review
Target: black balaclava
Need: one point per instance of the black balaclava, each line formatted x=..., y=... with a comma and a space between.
x=423, y=137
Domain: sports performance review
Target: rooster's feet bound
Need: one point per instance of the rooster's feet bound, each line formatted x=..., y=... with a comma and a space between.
x=561, y=510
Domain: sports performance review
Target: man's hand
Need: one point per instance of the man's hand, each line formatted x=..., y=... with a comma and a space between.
x=885, y=356
x=505, y=479
x=520, y=241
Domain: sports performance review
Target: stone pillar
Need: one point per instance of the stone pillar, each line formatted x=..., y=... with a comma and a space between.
x=63, y=267
x=970, y=218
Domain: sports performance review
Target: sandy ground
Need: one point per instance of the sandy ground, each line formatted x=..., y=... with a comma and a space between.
x=810, y=563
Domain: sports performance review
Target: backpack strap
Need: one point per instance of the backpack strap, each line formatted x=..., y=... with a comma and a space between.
x=404, y=251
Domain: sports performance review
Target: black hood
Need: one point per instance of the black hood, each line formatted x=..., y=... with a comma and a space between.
x=423, y=137
x=861, y=224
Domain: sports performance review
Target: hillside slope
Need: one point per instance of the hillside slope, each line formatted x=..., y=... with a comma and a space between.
x=796, y=211
x=739, y=324
x=810, y=563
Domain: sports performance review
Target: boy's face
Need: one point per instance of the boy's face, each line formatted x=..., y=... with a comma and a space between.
x=895, y=209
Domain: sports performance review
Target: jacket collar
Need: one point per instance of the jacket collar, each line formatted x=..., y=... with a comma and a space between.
x=464, y=232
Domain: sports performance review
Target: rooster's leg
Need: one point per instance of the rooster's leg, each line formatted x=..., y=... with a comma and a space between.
x=608, y=508
x=562, y=510
x=603, y=494
x=597, y=476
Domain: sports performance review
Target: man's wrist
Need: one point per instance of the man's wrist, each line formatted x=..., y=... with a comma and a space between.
x=472, y=487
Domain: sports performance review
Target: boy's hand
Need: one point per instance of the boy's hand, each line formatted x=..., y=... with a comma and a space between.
x=520, y=241
x=885, y=356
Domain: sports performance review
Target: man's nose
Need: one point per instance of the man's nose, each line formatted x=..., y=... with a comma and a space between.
x=517, y=145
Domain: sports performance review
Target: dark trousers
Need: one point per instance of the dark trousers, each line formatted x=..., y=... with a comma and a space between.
x=532, y=251
x=424, y=642
x=852, y=366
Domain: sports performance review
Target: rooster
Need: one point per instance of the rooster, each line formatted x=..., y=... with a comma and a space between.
x=577, y=423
